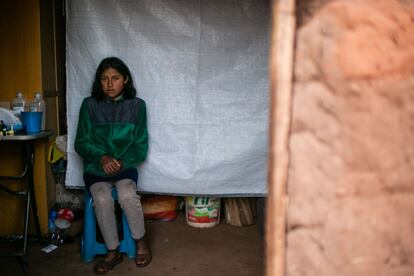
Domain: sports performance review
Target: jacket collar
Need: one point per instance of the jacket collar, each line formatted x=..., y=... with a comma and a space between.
x=117, y=99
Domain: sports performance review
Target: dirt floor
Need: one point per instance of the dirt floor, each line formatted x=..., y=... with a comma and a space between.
x=177, y=248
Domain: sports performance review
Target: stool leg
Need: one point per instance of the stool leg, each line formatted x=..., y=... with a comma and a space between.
x=89, y=232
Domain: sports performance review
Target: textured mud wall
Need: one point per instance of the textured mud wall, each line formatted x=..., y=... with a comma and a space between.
x=351, y=179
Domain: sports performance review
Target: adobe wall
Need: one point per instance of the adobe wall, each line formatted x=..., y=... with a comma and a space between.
x=351, y=178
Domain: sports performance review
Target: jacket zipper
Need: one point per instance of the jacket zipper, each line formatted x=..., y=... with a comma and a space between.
x=113, y=119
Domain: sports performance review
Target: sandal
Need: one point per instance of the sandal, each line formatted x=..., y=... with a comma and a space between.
x=143, y=259
x=104, y=266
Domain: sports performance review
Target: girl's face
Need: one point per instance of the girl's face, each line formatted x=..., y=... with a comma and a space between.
x=112, y=82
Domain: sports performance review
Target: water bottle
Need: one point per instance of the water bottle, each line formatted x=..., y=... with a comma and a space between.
x=18, y=105
x=55, y=234
x=52, y=225
x=39, y=105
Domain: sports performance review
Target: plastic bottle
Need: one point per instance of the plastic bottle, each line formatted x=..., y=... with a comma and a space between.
x=18, y=105
x=39, y=105
x=52, y=217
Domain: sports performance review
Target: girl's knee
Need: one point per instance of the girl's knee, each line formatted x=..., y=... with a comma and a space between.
x=126, y=198
x=126, y=189
x=102, y=201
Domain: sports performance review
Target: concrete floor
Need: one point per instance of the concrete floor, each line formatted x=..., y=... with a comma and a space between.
x=177, y=248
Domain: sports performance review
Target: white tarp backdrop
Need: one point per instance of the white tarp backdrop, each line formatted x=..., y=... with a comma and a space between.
x=202, y=68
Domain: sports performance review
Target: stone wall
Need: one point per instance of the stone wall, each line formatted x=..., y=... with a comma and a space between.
x=351, y=178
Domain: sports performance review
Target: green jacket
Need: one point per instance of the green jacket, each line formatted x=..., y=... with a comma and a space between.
x=117, y=128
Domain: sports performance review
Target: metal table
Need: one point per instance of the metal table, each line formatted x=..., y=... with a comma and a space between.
x=28, y=191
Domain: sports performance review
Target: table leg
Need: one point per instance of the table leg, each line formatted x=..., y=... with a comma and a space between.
x=23, y=264
x=32, y=198
x=26, y=220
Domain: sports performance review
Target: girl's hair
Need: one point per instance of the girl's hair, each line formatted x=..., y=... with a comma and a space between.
x=115, y=63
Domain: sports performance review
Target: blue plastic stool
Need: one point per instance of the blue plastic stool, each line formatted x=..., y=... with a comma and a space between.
x=90, y=246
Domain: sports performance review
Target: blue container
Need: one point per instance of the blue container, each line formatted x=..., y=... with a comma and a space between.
x=32, y=121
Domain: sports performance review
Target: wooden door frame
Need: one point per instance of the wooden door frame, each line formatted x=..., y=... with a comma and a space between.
x=281, y=82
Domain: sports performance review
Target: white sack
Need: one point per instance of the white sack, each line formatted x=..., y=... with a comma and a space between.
x=201, y=67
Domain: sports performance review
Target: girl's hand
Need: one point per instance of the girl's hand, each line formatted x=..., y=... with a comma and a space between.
x=110, y=165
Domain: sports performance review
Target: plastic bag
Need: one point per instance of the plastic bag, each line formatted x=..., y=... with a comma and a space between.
x=9, y=119
x=163, y=208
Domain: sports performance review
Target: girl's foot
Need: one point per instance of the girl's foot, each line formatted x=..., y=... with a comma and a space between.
x=144, y=255
x=112, y=259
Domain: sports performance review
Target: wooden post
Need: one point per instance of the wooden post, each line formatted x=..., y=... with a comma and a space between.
x=281, y=77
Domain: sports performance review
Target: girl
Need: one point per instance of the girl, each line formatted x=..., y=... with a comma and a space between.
x=112, y=140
